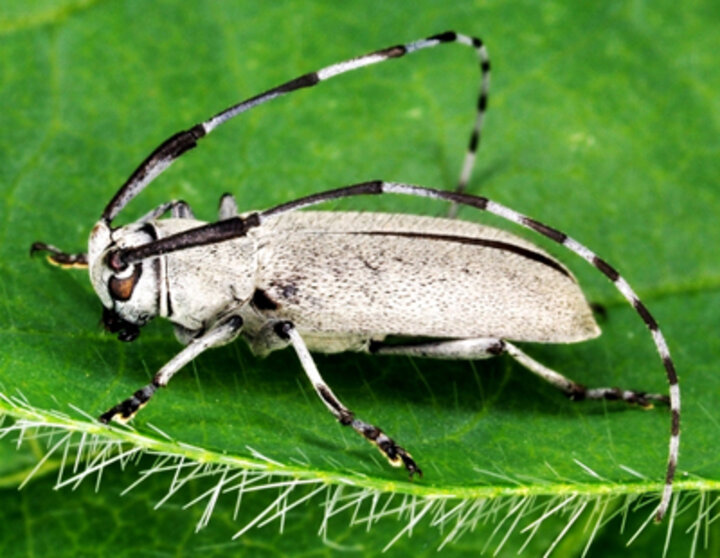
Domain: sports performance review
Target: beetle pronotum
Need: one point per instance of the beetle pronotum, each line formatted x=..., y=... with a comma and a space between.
x=330, y=282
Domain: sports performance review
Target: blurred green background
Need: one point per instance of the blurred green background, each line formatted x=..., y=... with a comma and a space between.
x=603, y=122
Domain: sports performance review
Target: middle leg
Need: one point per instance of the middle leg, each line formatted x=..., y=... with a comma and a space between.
x=395, y=454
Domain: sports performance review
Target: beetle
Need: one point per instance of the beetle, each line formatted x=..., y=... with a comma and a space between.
x=343, y=281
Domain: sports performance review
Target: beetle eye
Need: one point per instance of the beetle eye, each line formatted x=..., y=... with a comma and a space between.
x=121, y=288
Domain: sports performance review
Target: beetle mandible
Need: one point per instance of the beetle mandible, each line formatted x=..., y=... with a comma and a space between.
x=331, y=282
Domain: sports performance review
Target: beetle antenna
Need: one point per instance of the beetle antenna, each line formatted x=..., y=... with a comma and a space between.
x=172, y=148
x=212, y=233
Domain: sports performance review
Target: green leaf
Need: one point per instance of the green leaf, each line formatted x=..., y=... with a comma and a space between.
x=603, y=123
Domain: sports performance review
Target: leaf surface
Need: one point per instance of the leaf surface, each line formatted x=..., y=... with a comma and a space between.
x=603, y=122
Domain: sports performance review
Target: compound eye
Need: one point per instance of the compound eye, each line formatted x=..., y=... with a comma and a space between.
x=121, y=286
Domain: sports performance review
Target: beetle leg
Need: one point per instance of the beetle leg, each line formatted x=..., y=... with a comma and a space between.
x=228, y=207
x=181, y=210
x=221, y=334
x=473, y=349
x=395, y=454
x=178, y=209
x=79, y=261
x=578, y=392
x=58, y=257
x=456, y=349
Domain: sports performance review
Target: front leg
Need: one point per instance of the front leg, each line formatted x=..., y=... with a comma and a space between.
x=222, y=333
x=58, y=257
x=395, y=454
x=67, y=260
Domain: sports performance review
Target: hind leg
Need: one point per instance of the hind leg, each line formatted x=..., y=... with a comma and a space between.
x=473, y=349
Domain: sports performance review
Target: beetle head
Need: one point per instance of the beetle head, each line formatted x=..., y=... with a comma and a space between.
x=129, y=292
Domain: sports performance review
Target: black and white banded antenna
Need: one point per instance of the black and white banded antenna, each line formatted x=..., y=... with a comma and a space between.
x=172, y=148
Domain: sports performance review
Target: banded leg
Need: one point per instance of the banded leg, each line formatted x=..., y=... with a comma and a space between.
x=455, y=349
x=474, y=349
x=578, y=392
x=57, y=257
x=395, y=454
x=221, y=334
x=79, y=261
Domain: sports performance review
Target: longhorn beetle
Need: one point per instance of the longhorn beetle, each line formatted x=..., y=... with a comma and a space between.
x=331, y=282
